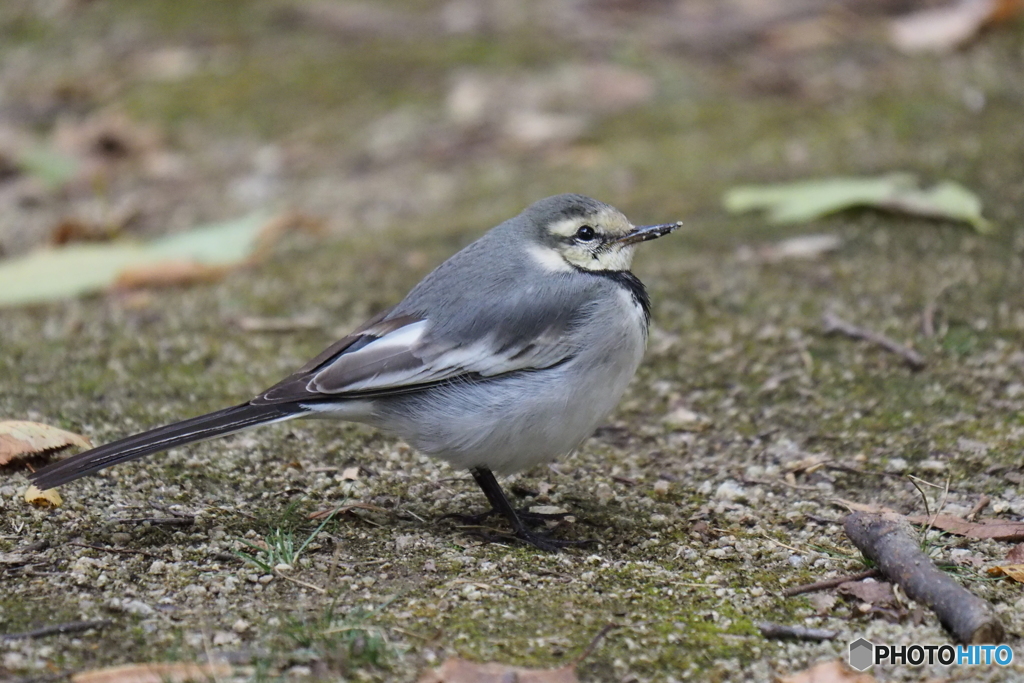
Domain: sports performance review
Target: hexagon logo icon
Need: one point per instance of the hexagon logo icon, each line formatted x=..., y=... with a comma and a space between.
x=862, y=654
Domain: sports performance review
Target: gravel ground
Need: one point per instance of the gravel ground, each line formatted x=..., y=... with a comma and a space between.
x=718, y=481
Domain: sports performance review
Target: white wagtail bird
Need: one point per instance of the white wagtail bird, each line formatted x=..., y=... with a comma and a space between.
x=507, y=355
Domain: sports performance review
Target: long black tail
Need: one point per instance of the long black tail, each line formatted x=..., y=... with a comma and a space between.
x=160, y=439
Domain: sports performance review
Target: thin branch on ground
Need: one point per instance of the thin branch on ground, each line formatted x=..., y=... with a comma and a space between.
x=829, y=583
x=318, y=589
x=56, y=629
x=783, y=631
x=123, y=551
x=833, y=324
x=978, y=507
x=594, y=641
x=163, y=521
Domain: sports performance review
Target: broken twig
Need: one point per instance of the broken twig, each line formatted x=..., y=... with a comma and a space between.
x=770, y=630
x=978, y=507
x=829, y=583
x=168, y=521
x=589, y=649
x=887, y=539
x=56, y=629
x=122, y=551
x=833, y=324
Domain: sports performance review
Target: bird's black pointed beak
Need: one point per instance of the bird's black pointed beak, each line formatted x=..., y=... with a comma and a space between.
x=647, y=232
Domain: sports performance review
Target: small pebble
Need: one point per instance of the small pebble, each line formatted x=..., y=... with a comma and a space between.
x=896, y=465
x=224, y=638
x=138, y=608
x=730, y=491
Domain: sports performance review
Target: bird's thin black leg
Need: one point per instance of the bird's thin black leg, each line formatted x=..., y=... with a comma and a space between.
x=500, y=505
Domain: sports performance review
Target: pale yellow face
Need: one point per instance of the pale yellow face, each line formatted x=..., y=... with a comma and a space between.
x=587, y=242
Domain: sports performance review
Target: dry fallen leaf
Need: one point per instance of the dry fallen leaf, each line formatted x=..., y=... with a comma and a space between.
x=803, y=247
x=683, y=419
x=19, y=438
x=996, y=529
x=834, y=671
x=872, y=592
x=43, y=499
x=72, y=229
x=941, y=29
x=202, y=254
x=457, y=670
x=169, y=274
x=1014, y=571
x=822, y=603
x=171, y=672
x=1016, y=554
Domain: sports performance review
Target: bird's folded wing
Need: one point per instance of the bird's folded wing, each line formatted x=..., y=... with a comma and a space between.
x=401, y=355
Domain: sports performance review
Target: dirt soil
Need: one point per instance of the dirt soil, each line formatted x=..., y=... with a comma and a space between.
x=409, y=128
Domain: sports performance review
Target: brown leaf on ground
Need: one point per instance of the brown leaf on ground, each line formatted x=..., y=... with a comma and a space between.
x=458, y=670
x=169, y=274
x=75, y=230
x=19, y=438
x=1014, y=571
x=872, y=592
x=171, y=672
x=822, y=603
x=1016, y=554
x=996, y=529
x=834, y=671
x=801, y=248
x=279, y=226
x=941, y=29
x=202, y=254
x=43, y=499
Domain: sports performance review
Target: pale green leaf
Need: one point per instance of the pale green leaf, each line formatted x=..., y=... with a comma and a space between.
x=57, y=273
x=52, y=167
x=812, y=199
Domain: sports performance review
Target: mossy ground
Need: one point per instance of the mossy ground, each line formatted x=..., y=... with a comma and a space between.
x=685, y=571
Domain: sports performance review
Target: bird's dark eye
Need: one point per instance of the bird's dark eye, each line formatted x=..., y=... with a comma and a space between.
x=586, y=233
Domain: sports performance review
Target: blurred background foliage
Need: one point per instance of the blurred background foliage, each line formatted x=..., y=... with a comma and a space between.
x=456, y=113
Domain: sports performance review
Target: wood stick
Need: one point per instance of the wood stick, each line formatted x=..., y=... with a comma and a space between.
x=56, y=629
x=978, y=507
x=833, y=324
x=123, y=551
x=829, y=583
x=887, y=539
x=770, y=630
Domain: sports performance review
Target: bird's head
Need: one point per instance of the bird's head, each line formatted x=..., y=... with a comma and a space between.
x=572, y=231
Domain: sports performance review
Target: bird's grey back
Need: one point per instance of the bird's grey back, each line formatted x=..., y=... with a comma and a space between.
x=494, y=286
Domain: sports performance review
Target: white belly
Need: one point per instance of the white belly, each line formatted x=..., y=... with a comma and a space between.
x=514, y=422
